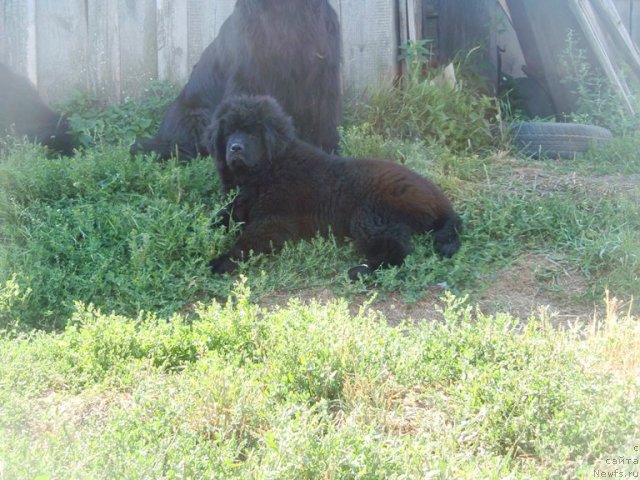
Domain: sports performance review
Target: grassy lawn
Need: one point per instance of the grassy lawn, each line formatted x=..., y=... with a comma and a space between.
x=123, y=357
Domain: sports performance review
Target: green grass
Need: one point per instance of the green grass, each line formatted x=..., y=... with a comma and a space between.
x=121, y=359
x=130, y=234
x=305, y=391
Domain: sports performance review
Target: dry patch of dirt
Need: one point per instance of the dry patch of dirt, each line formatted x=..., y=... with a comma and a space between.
x=533, y=285
x=393, y=307
x=537, y=285
x=604, y=185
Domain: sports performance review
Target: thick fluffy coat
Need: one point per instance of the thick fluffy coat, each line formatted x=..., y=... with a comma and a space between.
x=289, y=189
x=289, y=49
x=24, y=113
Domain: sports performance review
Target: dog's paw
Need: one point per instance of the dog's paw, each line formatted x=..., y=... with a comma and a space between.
x=359, y=271
x=222, y=264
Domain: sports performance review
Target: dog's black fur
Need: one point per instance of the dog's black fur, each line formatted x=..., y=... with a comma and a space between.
x=289, y=49
x=289, y=189
x=23, y=112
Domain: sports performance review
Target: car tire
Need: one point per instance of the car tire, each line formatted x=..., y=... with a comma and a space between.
x=557, y=140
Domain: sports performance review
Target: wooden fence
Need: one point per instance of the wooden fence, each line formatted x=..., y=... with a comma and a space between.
x=629, y=11
x=113, y=48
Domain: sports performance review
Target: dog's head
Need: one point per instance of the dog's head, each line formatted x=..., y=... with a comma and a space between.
x=247, y=132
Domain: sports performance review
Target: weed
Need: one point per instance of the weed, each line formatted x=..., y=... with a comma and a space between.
x=96, y=121
x=305, y=391
x=429, y=110
x=106, y=228
x=596, y=101
x=12, y=296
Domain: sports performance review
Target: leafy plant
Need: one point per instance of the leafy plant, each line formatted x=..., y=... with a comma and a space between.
x=417, y=56
x=309, y=390
x=427, y=108
x=139, y=116
x=12, y=296
x=596, y=101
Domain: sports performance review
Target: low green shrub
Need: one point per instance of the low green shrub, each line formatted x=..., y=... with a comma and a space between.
x=96, y=121
x=305, y=391
x=427, y=108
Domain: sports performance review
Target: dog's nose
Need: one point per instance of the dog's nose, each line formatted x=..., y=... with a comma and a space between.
x=236, y=147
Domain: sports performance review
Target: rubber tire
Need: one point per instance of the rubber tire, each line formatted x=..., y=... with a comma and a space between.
x=557, y=140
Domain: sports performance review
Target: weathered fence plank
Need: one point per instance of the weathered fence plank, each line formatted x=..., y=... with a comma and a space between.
x=369, y=42
x=61, y=47
x=629, y=11
x=17, y=37
x=113, y=48
x=204, y=20
x=138, y=45
x=173, y=40
x=595, y=37
x=103, y=49
x=470, y=24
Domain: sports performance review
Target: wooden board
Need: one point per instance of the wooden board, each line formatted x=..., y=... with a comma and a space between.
x=542, y=30
x=61, y=47
x=113, y=48
x=138, y=45
x=17, y=37
x=602, y=47
x=629, y=11
x=103, y=49
x=205, y=19
x=173, y=40
x=468, y=30
x=511, y=57
x=621, y=45
x=369, y=43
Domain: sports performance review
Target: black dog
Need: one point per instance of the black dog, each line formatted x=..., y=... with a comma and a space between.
x=289, y=49
x=23, y=112
x=289, y=189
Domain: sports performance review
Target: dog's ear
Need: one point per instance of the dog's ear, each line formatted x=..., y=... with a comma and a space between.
x=214, y=140
x=278, y=129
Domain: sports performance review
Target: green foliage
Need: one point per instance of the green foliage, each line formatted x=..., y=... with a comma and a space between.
x=304, y=391
x=596, y=101
x=125, y=233
x=147, y=376
x=583, y=227
x=363, y=141
x=130, y=234
x=417, y=55
x=12, y=295
x=428, y=108
x=619, y=155
x=139, y=116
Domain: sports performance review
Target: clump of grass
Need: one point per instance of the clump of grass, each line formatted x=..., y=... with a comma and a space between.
x=305, y=391
x=619, y=155
x=613, y=344
x=127, y=233
x=427, y=109
x=596, y=100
